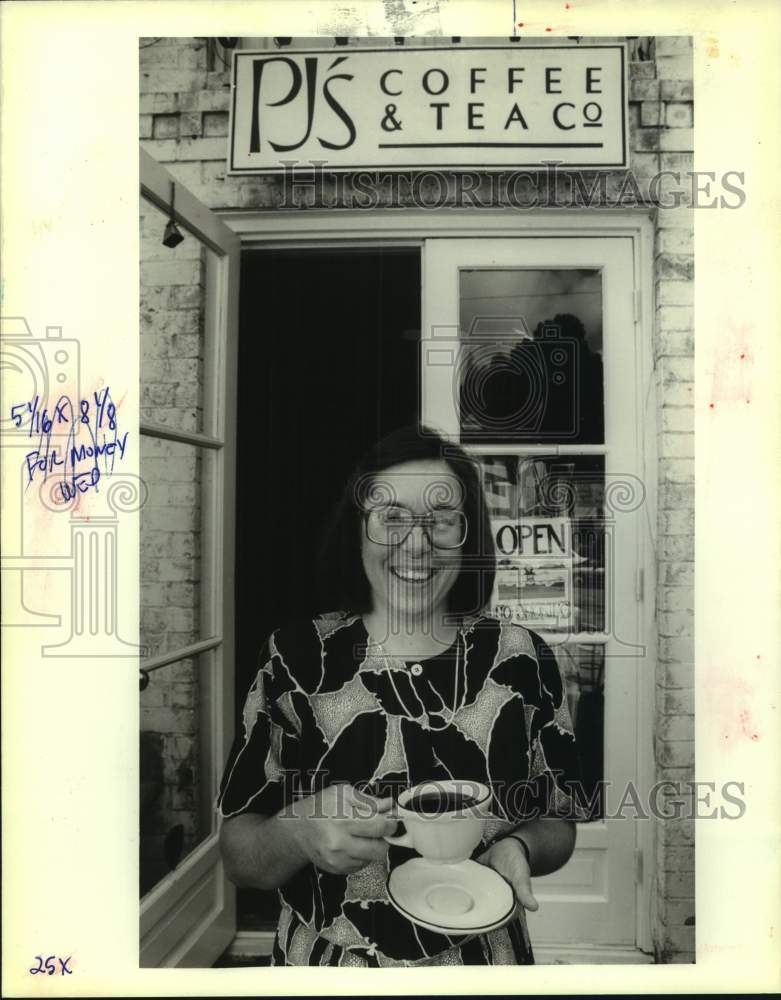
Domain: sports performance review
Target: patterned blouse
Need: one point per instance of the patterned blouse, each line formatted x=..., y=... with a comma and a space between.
x=326, y=707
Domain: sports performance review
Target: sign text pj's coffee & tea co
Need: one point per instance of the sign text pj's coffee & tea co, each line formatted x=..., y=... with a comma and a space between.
x=491, y=108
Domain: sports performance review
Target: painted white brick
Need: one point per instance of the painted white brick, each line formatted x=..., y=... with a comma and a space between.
x=188, y=174
x=676, y=445
x=650, y=113
x=205, y=100
x=165, y=126
x=678, y=394
x=674, y=676
x=174, y=416
x=674, y=240
x=644, y=90
x=675, y=702
x=149, y=104
x=678, y=575
x=677, y=945
x=676, y=623
x=673, y=67
x=674, y=858
x=166, y=720
x=193, y=57
x=673, y=344
x=641, y=70
x=678, y=753
x=676, y=495
x=158, y=53
x=679, y=885
x=676, y=470
x=673, y=522
x=676, y=548
x=170, y=470
x=155, y=81
x=677, y=419
x=184, y=543
x=677, y=651
x=678, y=115
x=190, y=124
x=187, y=394
x=181, y=619
x=183, y=494
x=676, y=727
x=157, y=394
x=677, y=912
x=675, y=318
x=677, y=90
x=673, y=45
x=166, y=518
x=171, y=150
x=180, y=595
x=674, y=293
x=644, y=166
x=674, y=267
x=675, y=369
x=174, y=272
x=215, y=123
x=676, y=140
x=676, y=218
x=679, y=162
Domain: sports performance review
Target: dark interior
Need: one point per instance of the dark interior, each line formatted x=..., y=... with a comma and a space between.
x=328, y=363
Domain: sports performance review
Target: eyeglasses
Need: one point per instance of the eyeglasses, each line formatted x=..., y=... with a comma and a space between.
x=446, y=529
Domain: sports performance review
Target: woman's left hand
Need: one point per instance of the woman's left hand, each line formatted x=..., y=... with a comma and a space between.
x=508, y=858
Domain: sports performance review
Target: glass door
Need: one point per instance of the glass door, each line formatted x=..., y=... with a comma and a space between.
x=189, y=295
x=529, y=359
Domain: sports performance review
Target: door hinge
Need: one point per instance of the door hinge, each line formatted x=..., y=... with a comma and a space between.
x=638, y=866
x=638, y=302
x=639, y=584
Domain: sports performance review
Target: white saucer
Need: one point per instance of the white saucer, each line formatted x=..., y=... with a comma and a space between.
x=466, y=898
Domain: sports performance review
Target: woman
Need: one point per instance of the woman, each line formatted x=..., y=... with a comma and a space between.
x=409, y=682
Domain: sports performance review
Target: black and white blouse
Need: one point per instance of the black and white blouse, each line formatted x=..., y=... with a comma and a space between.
x=327, y=707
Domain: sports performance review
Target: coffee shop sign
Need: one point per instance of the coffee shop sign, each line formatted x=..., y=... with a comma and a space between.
x=489, y=108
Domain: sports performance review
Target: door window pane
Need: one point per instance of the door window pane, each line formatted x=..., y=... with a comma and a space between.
x=549, y=527
x=531, y=355
x=176, y=793
x=549, y=531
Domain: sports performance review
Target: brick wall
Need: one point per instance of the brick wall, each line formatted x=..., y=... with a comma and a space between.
x=666, y=124
x=171, y=394
x=184, y=123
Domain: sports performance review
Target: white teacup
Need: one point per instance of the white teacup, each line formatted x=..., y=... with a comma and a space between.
x=439, y=825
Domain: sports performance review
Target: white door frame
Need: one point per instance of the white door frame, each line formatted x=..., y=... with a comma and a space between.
x=410, y=227
x=189, y=917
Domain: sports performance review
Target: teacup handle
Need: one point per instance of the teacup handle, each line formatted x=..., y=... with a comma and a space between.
x=400, y=840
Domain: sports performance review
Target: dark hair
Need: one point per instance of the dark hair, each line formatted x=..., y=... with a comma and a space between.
x=341, y=574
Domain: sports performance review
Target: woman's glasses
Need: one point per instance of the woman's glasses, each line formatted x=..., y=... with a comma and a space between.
x=446, y=529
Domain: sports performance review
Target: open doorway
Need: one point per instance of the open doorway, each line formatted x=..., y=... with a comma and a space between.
x=328, y=362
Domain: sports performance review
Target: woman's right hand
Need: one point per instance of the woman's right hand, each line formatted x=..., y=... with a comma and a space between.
x=340, y=829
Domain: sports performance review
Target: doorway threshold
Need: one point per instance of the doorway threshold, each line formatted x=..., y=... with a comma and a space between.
x=249, y=945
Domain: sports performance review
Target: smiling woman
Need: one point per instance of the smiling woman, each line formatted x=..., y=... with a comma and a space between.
x=408, y=684
x=411, y=555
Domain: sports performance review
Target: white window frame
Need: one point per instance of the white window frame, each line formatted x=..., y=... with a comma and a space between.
x=411, y=227
x=189, y=917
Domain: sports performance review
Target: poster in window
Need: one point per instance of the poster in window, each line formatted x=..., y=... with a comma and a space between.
x=533, y=585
